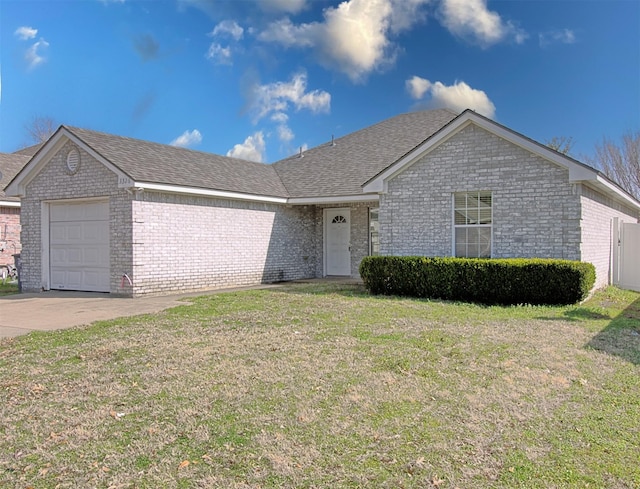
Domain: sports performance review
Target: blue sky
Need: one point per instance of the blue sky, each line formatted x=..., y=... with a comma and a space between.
x=259, y=79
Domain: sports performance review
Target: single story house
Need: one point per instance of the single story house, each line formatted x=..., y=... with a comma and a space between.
x=113, y=214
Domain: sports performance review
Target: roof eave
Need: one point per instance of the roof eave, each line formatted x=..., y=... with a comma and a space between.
x=334, y=199
x=9, y=203
x=140, y=186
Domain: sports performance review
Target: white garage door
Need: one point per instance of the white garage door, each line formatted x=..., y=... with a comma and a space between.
x=79, y=246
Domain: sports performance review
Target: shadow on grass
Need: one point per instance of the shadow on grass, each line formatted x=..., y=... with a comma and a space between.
x=621, y=337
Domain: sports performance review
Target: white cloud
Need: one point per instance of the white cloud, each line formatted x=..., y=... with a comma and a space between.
x=280, y=117
x=279, y=96
x=285, y=134
x=219, y=55
x=354, y=36
x=471, y=19
x=251, y=149
x=286, y=6
x=25, y=33
x=562, y=36
x=34, y=56
x=458, y=96
x=187, y=139
x=229, y=28
x=417, y=87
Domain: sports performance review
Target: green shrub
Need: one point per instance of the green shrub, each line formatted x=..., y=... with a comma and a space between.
x=488, y=281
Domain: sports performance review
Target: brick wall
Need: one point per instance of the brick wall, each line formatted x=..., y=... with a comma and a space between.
x=598, y=212
x=191, y=243
x=536, y=212
x=53, y=182
x=9, y=234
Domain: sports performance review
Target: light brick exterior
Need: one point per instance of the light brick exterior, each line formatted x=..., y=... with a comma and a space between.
x=53, y=183
x=598, y=212
x=169, y=242
x=9, y=234
x=192, y=243
x=536, y=212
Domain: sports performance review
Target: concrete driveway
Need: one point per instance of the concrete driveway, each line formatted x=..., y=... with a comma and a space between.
x=45, y=311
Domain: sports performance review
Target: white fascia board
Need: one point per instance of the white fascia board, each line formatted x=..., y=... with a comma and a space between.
x=9, y=203
x=613, y=190
x=17, y=187
x=222, y=194
x=340, y=199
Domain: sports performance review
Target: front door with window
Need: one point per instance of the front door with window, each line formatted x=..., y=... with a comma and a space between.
x=337, y=242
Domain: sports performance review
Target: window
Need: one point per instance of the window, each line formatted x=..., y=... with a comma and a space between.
x=339, y=220
x=374, y=229
x=472, y=219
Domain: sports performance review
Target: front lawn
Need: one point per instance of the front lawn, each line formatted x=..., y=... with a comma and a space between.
x=323, y=386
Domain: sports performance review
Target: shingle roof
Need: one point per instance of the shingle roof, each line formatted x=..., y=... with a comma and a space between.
x=10, y=165
x=29, y=150
x=151, y=162
x=325, y=171
x=328, y=170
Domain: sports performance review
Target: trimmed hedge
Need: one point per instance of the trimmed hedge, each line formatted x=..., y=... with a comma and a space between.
x=488, y=281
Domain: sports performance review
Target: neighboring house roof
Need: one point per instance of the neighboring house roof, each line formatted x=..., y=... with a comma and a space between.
x=10, y=165
x=342, y=168
x=29, y=150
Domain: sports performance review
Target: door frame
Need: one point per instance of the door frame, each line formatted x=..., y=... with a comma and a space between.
x=325, y=233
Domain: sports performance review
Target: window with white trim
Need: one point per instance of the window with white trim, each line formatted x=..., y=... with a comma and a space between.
x=473, y=224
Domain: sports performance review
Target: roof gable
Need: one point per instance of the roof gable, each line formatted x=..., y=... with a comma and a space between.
x=578, y=172
x=145, y=164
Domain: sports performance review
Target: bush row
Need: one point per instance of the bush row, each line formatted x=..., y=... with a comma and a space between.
x=488, y=281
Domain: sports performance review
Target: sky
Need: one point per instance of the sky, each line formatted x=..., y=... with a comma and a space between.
x=260, y=79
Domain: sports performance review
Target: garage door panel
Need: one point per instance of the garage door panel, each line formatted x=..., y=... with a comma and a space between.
x=85, y=211
x=79, y=246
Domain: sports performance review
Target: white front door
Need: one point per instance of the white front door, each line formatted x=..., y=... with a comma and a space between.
x=79, y=246
x=337, y=242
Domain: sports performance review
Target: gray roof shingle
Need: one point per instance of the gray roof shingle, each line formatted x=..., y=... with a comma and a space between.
x=342, y=169
x=10, y=165
x=145, y=161
x=324, y=171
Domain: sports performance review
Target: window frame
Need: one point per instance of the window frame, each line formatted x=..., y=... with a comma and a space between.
x=370, y=233
x=455, y=227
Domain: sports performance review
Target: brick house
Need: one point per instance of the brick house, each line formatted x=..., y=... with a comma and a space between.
x=10, y=165
x=113, y=214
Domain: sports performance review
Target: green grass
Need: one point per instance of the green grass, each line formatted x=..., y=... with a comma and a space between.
x=8, y=288
x=324, y=386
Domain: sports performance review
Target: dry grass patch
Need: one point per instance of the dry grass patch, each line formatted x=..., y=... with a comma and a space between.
x=324, y=386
